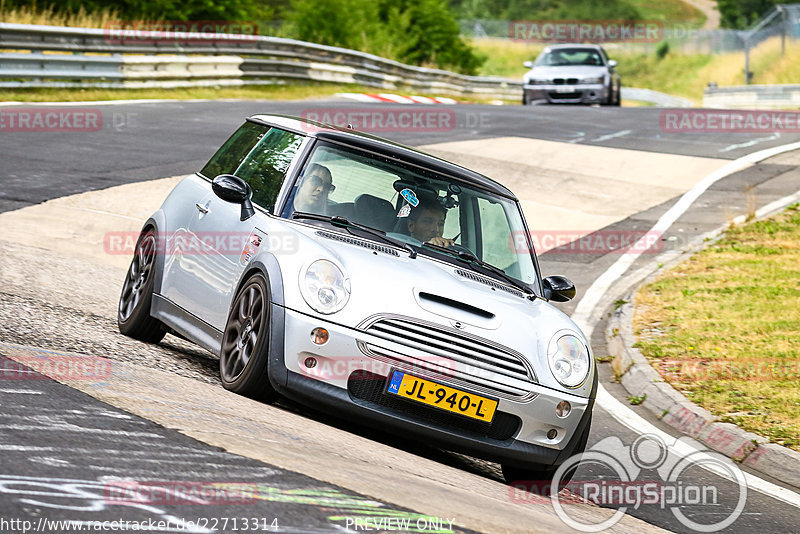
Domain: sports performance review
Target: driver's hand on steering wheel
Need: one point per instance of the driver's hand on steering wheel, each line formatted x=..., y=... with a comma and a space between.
x=441, y=242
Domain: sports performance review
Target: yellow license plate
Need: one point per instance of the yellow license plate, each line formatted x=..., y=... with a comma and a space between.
x=444, y=397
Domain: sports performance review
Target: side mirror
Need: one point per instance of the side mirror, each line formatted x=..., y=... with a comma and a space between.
x=558, y=288
x=233, y=189
x=528, y=64
x=612, y=63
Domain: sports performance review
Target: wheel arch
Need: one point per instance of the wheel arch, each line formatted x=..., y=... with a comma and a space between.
x=157, y=222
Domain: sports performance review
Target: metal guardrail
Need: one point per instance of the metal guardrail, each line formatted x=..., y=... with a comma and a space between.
x=753, y=97
x=272, y=59
x=109, y=58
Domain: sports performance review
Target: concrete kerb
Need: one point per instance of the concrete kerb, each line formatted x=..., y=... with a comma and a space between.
x=641, y=380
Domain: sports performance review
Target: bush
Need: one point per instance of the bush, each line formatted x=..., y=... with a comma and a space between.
x=662, y=49
x=421, y=32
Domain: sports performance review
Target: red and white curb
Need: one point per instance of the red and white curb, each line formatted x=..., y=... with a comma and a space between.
x=389, y=98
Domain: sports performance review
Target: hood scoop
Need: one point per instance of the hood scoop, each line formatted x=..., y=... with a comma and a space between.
x=457, y=311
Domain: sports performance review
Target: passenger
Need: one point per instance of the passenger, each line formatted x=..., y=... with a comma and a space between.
x=312, y=195
x=426, y=223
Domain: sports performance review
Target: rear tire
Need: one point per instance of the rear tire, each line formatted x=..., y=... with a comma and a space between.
x=133, y=312
x=245, y=343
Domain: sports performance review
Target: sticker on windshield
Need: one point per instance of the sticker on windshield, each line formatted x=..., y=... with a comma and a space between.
x=405, y=211
x=410, y=197
x=250, y=248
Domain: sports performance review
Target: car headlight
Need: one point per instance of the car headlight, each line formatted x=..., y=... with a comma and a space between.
x=539, y=81
x=569, y=360
x=595, y=79
x=324, y=287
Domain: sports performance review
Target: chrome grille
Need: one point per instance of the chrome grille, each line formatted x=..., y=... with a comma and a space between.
x=358, y=242
x=461, y=358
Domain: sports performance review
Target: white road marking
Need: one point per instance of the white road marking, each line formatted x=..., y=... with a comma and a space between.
x=586, y=308
x=772, y=137
x=683, y=448
x=22, y=391
x=361, y=97
x=621, y=133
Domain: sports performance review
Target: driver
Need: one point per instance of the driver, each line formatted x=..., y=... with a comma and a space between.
x=426, y=223
x=312, y=195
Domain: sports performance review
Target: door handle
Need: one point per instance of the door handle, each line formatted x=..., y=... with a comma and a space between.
x=201, y=208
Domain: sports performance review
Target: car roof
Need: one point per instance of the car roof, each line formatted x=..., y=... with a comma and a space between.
x=573, y=45
x=384, y=147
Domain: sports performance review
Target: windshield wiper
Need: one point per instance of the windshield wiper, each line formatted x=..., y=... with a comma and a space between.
x=472, y=260
x=341, y=222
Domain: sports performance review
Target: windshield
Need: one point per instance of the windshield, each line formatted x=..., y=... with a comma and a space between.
x=569, y=56
x=415, y=206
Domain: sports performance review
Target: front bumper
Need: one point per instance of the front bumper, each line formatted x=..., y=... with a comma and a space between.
x=567, y=94
x=347, y=382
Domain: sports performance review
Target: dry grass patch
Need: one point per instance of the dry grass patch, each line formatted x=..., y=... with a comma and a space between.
x=724, y=327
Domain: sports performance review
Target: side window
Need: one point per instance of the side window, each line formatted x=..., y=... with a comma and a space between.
x=264, y=168
x=494, y=222
x=259, y=155
x=235, y=149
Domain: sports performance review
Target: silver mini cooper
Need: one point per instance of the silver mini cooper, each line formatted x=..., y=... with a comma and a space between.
x=362, y=277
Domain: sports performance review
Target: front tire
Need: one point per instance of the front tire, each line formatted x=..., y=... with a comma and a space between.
x=245, y=342
x=133, y=312
x=542, y=477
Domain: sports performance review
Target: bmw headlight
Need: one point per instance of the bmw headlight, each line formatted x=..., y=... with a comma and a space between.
x=595, y=79
x=569, y=360
x=324, y=287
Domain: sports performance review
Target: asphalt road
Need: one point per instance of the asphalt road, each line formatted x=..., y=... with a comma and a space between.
x=68, y=457
x=141, y=142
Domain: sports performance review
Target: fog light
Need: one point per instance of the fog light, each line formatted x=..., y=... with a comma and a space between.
x=319, y=336
x=563, y=409
x=310, y=363
x=552, y=433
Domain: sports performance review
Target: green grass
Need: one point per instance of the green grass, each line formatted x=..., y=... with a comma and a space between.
x=723, y=327
x=266, y=92
x=677, y=73
x=296, y=91
x=670, y=12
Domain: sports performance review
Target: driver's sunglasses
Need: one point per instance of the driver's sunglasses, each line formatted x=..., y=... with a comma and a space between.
x=315, y=181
